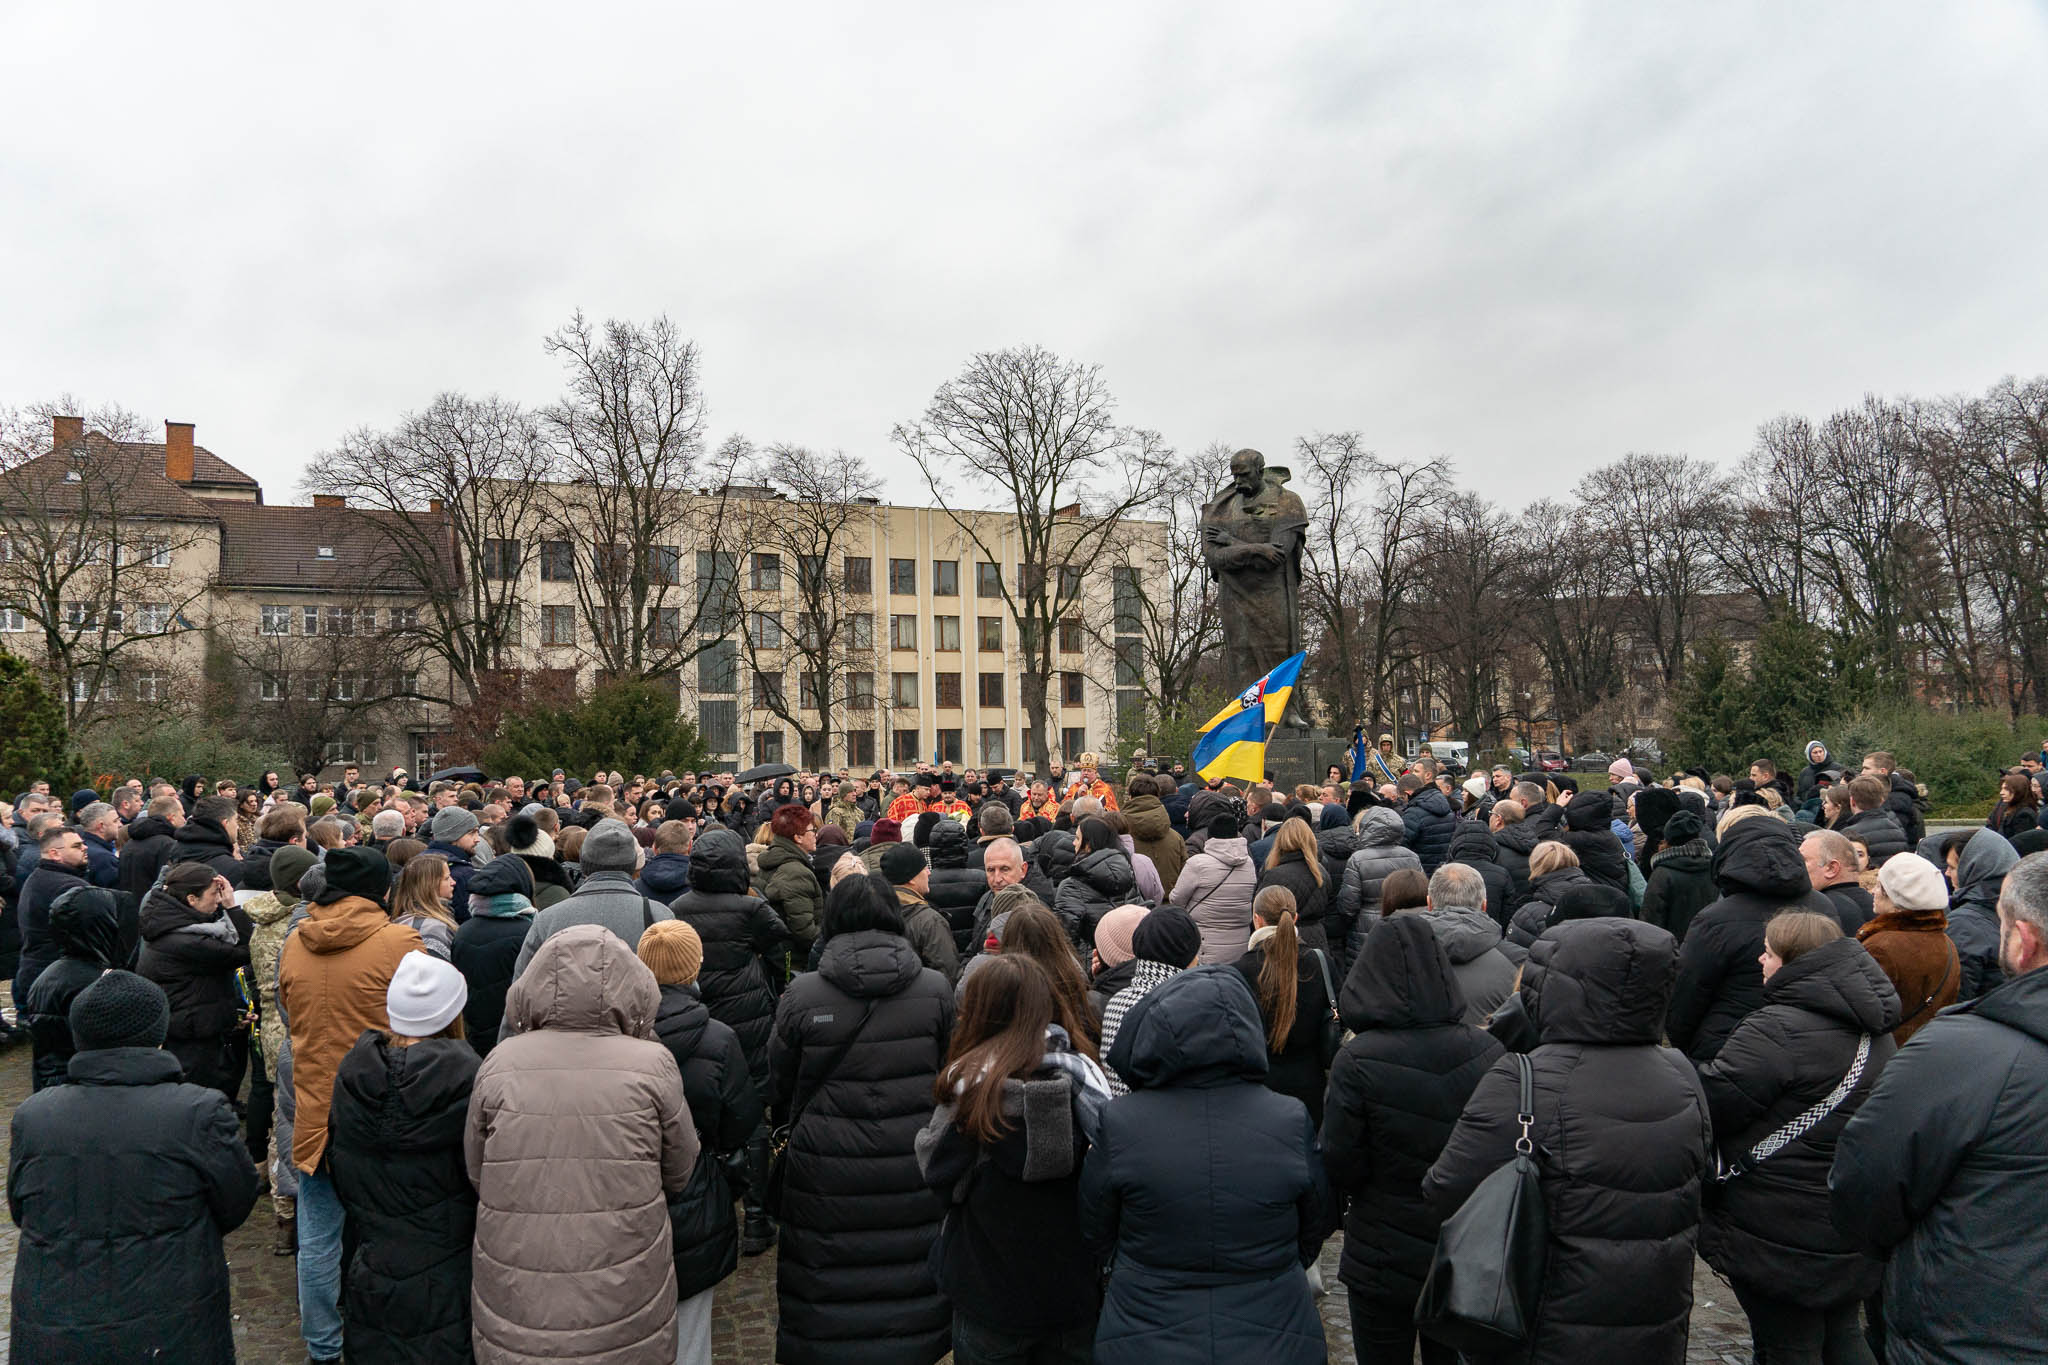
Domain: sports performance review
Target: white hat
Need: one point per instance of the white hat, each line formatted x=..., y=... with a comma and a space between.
x=425, y=995
x=1913, y=883
x=1475, y=786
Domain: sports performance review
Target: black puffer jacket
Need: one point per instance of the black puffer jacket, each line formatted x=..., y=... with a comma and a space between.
x=1052, y=853
x=395, y=1143
x=1207, y=1248
x=956, y=888
x=1770, y=1225
x=85, y=925
x=1097, y=883
x=1519, y=840
x=1586, y=832
x=1681, y=885
x=123, y=1182
x=40, y=888
x=1311, y=897
x=1396, y=1091
x=1473, y=844
x=1760, y=873
x=741, y=935
x=1622, y=1142
x=1941, y=1171
x=194, y=960
x=486, y=947
x=1880, y=831
x=725, y=1108
x=150, y=841
x=854, y=1278
x=1429, y=822
x=1532, y=916
x=204, y=841
x=1905, y=802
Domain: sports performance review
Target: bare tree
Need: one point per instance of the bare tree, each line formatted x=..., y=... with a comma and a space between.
x=452, y=495
x=1663, y=513
x=1573, y=590
x=1470, y=613
x=638, y=492
x=1036, y=436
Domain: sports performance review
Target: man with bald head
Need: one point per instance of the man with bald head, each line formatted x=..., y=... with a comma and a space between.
x=1831, y=863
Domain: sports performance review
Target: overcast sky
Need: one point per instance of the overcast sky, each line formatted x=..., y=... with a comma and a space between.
x=1527, y=237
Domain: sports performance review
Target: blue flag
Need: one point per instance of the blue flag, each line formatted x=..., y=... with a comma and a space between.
x=1358, y=754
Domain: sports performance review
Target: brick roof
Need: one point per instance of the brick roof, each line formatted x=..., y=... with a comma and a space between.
x=279, y=547
x=207, y=467
x=123, y=473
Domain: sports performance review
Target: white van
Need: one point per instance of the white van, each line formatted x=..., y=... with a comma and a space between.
x=1455, y=752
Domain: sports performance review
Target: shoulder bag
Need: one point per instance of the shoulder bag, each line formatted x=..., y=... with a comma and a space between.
x=1333, y=1027
x=778, y=1160
x=1486, y=1273
x=1799, y=1123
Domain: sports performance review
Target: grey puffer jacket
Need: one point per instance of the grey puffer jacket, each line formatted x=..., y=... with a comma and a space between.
x=1479, y=956
x=1215, y=888
x=1380, y=853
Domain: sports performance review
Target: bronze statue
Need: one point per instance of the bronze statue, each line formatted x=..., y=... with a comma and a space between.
x=1252, y=536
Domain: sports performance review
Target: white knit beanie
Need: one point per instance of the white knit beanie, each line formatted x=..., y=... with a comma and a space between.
x=1913, y=883
x=425, y=995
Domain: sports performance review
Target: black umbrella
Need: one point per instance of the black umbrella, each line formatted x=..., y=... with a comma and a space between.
x=764, y=773
x=459, y=775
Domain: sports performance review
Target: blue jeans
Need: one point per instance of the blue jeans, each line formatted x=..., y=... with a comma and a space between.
x=320, y=1266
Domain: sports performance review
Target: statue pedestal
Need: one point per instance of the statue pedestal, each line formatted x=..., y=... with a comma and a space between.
x=1303, y=756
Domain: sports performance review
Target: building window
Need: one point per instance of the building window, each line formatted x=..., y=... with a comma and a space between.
x=764, y=629
x=767, y=573
x=946, y=690
x=860, y=574
x=408, y=618
x=558, y=625
x=718, y=724
x=860, y=631
x=363, y=750
x=945, y=578
x=718, y=588
x=665, y=564
x=903, y=632
x=1070, y=635
x=309, y=621
x=947, y=631
x=990, y=634
x=903, y=689
x=152, y=618
x=718, y=670
x=1129, y=601
x=81, y=616
x=343, y=687
x=1070, y=582
x=810, y=575
x=990, y=693
x=903, y=748
x=1074, y=741
x=557, y=561
x=768, y=693
x=341, y=621
x=12, y=622
x=992, y=748
x=1130, y=713
x=903, y=576
x=948, y=750
x=1033, y=750
x=810, y=631
x=1070, y=689
x=274, y=620
x=1130, y=654
x=860, y=749
x=767, y=746
x=156, y=554
x=501, y=559
x=809, y=695
x=860, y=691
x=665, y=626
x=988, y=579
x=429, y=753
x=152, y=685
x=276, y=686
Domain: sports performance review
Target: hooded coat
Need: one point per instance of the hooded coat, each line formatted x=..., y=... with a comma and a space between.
x=147, y=852
x=1941, y=1172
x=123, y=1182
x=1473, y=845
x=486, y=947
x=395, y=1152
x=1586, y=832
x=1428, y=822
x=1913, y=949
x=1519, y=840
x=1208, y=1247
x=742, y=936
x=792, y=889
x=1681, y=885
x=1905, y=802
x=725, y=1108
x=40, y=889
x=1396, y=1091
x=1379, y=852
x=1100, y=881
x=207, y=841
x=955, y=887
x=1880, y=831
x=1760, y=873
x=664, y=876
x=1769, y=1226
x=1623, y=1147
x=577, y=1135
x=853, y=1273
x=1215, y=887
x=85, y=927
x=1532, y=916
x=194, y=958
x=1484, y=970
x=1808, y=784
x=1654, y=808
x=1973, y=910
x=1153, y=834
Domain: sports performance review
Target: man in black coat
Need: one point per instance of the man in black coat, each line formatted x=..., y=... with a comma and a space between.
x=150, y=841
x=1941, y=1169
x=205, y=839
x=1878, y=827
x=1831, y=866
x=122, y=1179
x=1901, y=797
x=1428, y=821
x=956, y=889
x=60, y=868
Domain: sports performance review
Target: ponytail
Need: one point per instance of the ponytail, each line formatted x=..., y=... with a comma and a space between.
x=1280, y=981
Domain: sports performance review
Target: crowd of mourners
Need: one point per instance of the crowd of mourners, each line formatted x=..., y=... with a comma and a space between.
x=1028, y=1070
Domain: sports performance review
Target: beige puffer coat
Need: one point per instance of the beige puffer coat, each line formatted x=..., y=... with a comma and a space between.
x=577, y=1132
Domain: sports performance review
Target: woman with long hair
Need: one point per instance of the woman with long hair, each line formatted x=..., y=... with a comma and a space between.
x=421, y=901
x=1296, y=863
x=248, y=807
x=1100, y=880
x=1004, y=1149
x=191, y=947
x=1294, y=1005
x=1034, y=932
x=2019, y=806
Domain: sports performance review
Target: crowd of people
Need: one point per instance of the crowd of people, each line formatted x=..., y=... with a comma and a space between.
x=1026, y=1069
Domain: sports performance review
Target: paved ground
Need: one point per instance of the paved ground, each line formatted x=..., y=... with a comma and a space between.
x=266, y=1312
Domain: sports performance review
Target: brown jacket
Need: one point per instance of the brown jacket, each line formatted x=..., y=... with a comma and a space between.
x=1153, y=834
x=1915, y=951
x=332, y=976
x=577, y=1132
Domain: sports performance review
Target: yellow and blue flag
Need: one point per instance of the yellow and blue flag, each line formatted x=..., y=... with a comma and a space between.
x=1233, y=743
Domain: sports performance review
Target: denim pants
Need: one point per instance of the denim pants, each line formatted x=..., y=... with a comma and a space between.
x=320, y=1266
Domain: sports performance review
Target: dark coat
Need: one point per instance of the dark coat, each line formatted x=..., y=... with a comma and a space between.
x=102, y=863
x=793, y=890
x=148, y=850
x=1769, y=1226
x=1881, y=831
x=1587, y=833
x=486, y=949
x=204, y=841
x=195, y=961
x=1428, y=822
x=1311, y=897
x=853, y=1276
x=741, y=935
x=1473, y=844
x=462, y=867
x=1396, y=1091
x=1941, y=1171
x=1681, y=885
x=1853, y=905
x=725, y=1108
x=1518, y=841
x=1532, y=915
x=1622, y=1144
x=123, y=1183
x=1298, y=1068
x=664, y=876
x=1973, y=910
x=1096, y=884
x=1760, y=874
x=1904, y=801
x=956, y=889
x=86, y=928
x=39, y=891
x=394, y=1144
x=1208, y=1247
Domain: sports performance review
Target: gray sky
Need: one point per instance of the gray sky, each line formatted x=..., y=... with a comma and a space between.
x=1529, y=238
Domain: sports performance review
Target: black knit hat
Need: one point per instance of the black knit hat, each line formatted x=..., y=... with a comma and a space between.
x=1683, y=828
x=120, y=1009
x=1168, y=935
x=1223, y=825
x=356, y=872
x=901, y=863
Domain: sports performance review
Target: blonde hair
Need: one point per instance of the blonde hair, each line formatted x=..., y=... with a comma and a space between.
x=846, y=866
x=1735, y=816
x=1549, y=856
x=1296, y=837
x=1278, y=985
